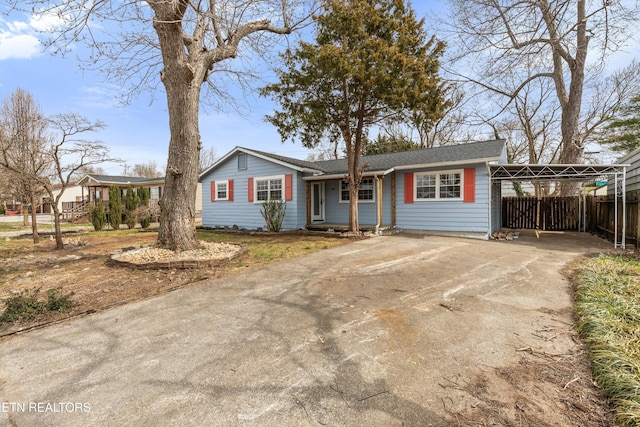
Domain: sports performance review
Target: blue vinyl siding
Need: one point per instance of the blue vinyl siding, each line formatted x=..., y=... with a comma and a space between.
x=337, y=212
x=240, y=211
x=445, y=215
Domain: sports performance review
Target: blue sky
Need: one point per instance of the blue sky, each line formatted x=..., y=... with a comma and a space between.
x=138, y=132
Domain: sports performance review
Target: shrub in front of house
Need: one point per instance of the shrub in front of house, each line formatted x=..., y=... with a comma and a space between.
x=273, y=212
x=115, y=207
x=98, y=215
x=131, y=202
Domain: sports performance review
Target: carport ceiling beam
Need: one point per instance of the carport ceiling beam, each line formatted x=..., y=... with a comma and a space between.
x=513, y=172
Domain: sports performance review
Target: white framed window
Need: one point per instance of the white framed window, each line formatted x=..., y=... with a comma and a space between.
x=445, y=185
x=269, y=188
x=154, y=193
x=366, y=193
x=222, y=190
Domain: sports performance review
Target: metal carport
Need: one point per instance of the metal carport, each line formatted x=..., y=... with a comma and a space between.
x=580, y=173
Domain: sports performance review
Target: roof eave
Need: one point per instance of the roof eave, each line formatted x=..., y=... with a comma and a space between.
x=448, y=163
x=258, y=155
x=343, y=175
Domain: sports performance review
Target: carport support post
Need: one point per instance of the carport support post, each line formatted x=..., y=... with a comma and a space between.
x=624, y=210
x=615, y=212
x=624, y=207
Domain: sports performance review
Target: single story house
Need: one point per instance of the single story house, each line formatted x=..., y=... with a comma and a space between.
x=445, y=189
x=96, y=187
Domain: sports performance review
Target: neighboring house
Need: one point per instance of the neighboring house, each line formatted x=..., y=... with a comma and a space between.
x=96, y=187
x=73, y=193
x=632, y=180
x=445, y=189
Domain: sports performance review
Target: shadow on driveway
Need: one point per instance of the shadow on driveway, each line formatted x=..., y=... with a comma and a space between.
x=385, y=331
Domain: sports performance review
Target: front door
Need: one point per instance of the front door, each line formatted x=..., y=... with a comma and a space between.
x=317, y=201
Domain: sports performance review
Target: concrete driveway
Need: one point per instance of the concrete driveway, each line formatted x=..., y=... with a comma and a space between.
x=385, y=331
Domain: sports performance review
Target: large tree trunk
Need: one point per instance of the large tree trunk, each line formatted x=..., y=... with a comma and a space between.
x=572, y=144
x=182, y=78
x=177, y=207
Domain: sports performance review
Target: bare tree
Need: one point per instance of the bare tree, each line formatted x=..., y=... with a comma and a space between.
x=70, y=154
x=23, y=141
x=148, y=169
x=66, y=154
x=207, y=158
x=90, y=170
x=531, y=40
x=186, y=44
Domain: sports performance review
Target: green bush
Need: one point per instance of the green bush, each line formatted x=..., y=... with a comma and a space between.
x=28, y=305
x=98, y=215
x=131, y=201
x=115, y=207
x=143, y=208
x=24, y=306
x=57, y=301
x=273, y=212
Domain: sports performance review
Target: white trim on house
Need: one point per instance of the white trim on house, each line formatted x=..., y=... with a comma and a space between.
x=218, y=184
x=448, y=164
x=258, y=155
x=366, y=174
x=373, y=192
x=437, y=197
x=268, y=179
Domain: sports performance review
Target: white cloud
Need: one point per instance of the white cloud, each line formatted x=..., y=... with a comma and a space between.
x=45, y=22
x=18, y=45
x=20, y=38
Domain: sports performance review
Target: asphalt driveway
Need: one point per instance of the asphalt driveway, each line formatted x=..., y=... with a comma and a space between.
x=392, y=330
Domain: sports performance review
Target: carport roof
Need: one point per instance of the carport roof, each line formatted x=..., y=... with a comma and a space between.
x=537, y=172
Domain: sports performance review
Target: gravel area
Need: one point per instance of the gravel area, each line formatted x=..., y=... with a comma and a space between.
x=207, y=251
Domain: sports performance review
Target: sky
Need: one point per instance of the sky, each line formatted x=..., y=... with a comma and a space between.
x=139, y=132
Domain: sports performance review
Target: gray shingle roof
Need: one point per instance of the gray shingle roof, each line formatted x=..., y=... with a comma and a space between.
x=296, y=162
x=447, y=154
x=469, y=152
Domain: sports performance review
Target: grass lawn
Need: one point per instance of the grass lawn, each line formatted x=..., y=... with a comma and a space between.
x=608, y=309
x=46, y=227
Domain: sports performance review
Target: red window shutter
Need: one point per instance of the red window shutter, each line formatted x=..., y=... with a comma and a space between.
x=288, y=187
x=408, y=187
x=250, y=190
x=230, y=190
x=470, y=185
x=213, y=191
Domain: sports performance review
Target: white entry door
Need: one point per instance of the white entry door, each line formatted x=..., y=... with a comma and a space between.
x=317, y=201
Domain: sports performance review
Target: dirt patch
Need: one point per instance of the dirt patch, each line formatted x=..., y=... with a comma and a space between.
x=547, y=391
x=85, y=270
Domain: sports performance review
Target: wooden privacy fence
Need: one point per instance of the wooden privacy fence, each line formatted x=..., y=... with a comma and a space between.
x=547, y=213
x=602, y=217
